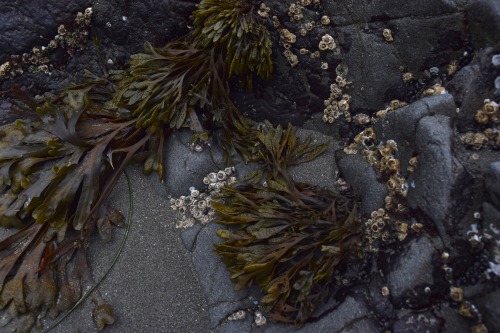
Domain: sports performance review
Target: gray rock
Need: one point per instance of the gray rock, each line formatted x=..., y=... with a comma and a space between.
x=453, y=322
x=363, y=179
x=484, y=22
x=439, y=173
x=189, y=236
x=185, y=167
x=321, y=170
x=492, y=183
x=411, y=269
x=422, y=43
x=417, y=322
x=380, y=304
x=214, y=277
x=352, y=315
x=489, y=307
x=154, y=285
x=401, y=124
x=471, y=85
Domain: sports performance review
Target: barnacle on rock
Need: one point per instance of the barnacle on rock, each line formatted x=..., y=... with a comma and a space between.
x=407, y=77
x=327, y=43
x=435, y=90
x=325, y=20
x=287, y=36
x=387, y=33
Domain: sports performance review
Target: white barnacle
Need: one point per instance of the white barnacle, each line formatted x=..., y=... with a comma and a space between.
x=221, y=175
x=212, y=177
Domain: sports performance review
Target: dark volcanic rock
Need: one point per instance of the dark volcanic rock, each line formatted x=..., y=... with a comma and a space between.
x=348, y=12
x=492, y=183
x=452, y=321
x=471, y=85
x=489, y=307
x=132, y=23
x=24, y=24
x=417, y=322
x=362, y=177
x=484, y=22
x=370, y=61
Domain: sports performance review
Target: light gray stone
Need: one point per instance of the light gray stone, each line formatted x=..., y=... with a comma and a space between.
x=411, y=268
x=363, y=179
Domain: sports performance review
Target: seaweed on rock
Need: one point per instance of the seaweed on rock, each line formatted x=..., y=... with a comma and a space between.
x=56, y=175
x=291, y=237
x=59, y=164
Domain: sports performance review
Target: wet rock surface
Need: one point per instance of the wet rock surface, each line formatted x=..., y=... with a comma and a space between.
x=453, y=195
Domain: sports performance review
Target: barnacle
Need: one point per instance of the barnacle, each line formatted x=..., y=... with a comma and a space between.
x=387, y=33
x=407, y=77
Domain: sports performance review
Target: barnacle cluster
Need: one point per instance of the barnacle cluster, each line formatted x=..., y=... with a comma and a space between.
x=196, y=207
x=383, y=159
x=452, y=67
x=393, y=105
x=489, y=117
x=363, y=140
x=288, y=38
x=264, y=10
x=327, y=43
x=238, y=315
x=73, y=38
x=295, y=12
x=260, y=319
x=338, y=102
x=361, y=119
x=435, y=90
x=376, y=225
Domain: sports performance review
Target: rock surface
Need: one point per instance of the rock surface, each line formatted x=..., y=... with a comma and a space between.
x=168, y=280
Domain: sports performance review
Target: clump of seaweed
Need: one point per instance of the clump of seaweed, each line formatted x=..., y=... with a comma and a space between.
x=58, y=166
x=233, y=28
x=172, y=85
x=291, y=237
x=57, y=172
